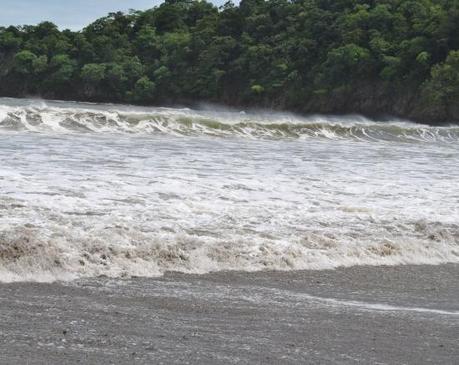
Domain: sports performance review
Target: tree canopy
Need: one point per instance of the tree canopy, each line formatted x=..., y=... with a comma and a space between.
x=397, y=57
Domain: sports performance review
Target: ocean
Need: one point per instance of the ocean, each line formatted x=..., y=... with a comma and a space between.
x=92, y=190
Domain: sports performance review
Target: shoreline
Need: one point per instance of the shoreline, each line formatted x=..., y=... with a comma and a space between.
x=385, y=314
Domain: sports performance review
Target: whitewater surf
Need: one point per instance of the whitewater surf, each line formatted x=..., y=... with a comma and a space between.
x=94, y=189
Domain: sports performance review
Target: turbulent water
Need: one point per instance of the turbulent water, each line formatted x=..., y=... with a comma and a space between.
x=89, y=190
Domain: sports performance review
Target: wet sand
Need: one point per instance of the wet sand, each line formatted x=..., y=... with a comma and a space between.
x=368, y=315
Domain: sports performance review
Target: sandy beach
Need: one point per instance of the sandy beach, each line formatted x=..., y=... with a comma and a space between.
x=368, y=315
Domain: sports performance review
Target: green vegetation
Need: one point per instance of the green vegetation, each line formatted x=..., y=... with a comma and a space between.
x=398, y=57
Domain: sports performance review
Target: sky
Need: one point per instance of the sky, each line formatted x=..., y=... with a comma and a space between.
x=72, y=14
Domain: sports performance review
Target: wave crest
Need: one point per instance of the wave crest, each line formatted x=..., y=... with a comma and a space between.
x=71, y=118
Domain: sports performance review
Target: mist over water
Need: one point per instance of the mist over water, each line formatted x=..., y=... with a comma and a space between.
x=91, y=189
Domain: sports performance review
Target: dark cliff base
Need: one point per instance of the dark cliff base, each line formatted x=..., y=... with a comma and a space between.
x=368, y=315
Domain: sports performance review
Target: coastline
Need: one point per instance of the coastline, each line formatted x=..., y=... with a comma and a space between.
x=401, y=314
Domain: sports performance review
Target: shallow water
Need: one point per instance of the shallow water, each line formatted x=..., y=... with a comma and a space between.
x=88, y=190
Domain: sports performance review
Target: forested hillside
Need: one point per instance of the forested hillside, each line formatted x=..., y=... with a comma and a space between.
x=398, y=57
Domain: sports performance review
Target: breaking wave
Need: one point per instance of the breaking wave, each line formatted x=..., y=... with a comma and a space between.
x=62, y=117
x=27, y=254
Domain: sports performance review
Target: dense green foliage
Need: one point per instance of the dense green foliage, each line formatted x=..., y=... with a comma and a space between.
x=335, y=56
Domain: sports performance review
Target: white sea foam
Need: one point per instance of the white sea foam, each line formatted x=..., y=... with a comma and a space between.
x=110, y=190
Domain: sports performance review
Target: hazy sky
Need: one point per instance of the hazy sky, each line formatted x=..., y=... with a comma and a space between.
x=73, y=14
